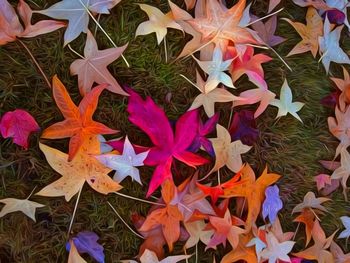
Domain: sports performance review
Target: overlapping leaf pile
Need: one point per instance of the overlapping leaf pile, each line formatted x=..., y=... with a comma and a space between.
x=195, y=204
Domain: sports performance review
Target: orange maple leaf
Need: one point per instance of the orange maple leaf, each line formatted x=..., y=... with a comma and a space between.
x=78, y=124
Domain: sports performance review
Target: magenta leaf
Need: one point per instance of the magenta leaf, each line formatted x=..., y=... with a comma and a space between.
x=18, y=124
x=331, y=100
x=150, y=118
x=86, y=242
x=243, y=127
x=335, y=16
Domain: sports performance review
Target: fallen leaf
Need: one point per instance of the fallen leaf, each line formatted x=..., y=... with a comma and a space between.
x=197, y=233
x=267, y=30
x=338, y=254
x=346, y=222
x=319, y=250
x=226, y=152
x=243, y=127
x=276, y=250
x=74, y=256
x=78, y=123
x=158, y=23
x=124, y=164
x=306, y=217
x=86, y=242
x=93, y=67
x=83, y=168
x=285, y=104
x=77, y=13
x=322, y=180
x=241, y=252
x=150, y=257
x=309, y=33
x=310, y=201
x=23, y=205
x=273, y=4
x=253, y=190
x=208, y=99
x=329, y=46
x=343, y=172
x=167, y=145
x=215, y=70
x=344, y=86
x=272, y=204
x=18, y=125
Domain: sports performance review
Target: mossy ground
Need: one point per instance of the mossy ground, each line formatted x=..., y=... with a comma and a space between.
x=287, y=146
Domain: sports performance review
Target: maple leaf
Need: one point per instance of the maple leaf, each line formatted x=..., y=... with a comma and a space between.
x=78, y=123
x=197, y=233
x=11, y=28
x=329, y=46
x=339, y=127
x=310, y=201
x=276, y=250
x=306, y=217
x=168, y=217
x=221, y=25
x=149, y=256
x=344, y=86
x=86, y=242
x=26, y=206
x=322, y=180
x=253, y=190
x=93, y=67
x=74, y=256
x=338, y=254
x=260, y=94
x=242, y=252
x=273, y=4
x=247, y=63
x=152, y=120
x=309, y=33
x=346, y=222
x=215, y=70
x=318, y=4
x=77, y=13
x=266, y=31
x=83, y=168
x=204, y=130
x=343, y=172
x=338, y=12
x=158, y=23
x=18, y=124
x=124, y=164
x=319, y=250
x=224, y=230
x=285, y=104
x=207, y=99
x=226, y=152
x=243, y=127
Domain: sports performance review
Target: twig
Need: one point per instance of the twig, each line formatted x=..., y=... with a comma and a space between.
x=126, y=224
x=139, y=199
x=35, y=62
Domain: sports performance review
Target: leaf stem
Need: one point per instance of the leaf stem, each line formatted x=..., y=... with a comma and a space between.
x=138, y=199
x=104, y=32
x=126, y=224
x=31, y=193
x=35, y=62
x=74, y=211
x=264, y=17
x=165, y=50
x=75, y=52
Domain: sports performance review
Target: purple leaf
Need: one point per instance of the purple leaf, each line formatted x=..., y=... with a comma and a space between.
x=335, y=16
x=86, y=242
x=331, y=100
x=272, y=203
x=243, y=127
x=204, y=130
x=266, y=31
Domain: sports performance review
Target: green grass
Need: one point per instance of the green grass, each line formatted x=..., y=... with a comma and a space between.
x=286, y=146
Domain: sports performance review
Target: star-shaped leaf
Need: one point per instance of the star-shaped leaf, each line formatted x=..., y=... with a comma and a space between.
x=216, y=71
x=272, y=204
x=197, y=233
x=276, y=250
x=158, y=23
x=346, y=222
x=306, y=217
x=25, y=206
x=309, y=33
x=242, y=252
x=207, y=99
x=343, y=172
x=83, y=168
x=226, y=152
x=329, y=46
x=149, y=256
x=78, y=123
x=338, y=254
x=93, y=68
x=310, y=201
x=77, y=13
x=344, y=86
x=267, y=30
x=124, y=164
x=244, y=128
x=74, y=256
x=285, y=103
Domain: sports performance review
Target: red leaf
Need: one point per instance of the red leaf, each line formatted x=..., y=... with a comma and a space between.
x=18, y=124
